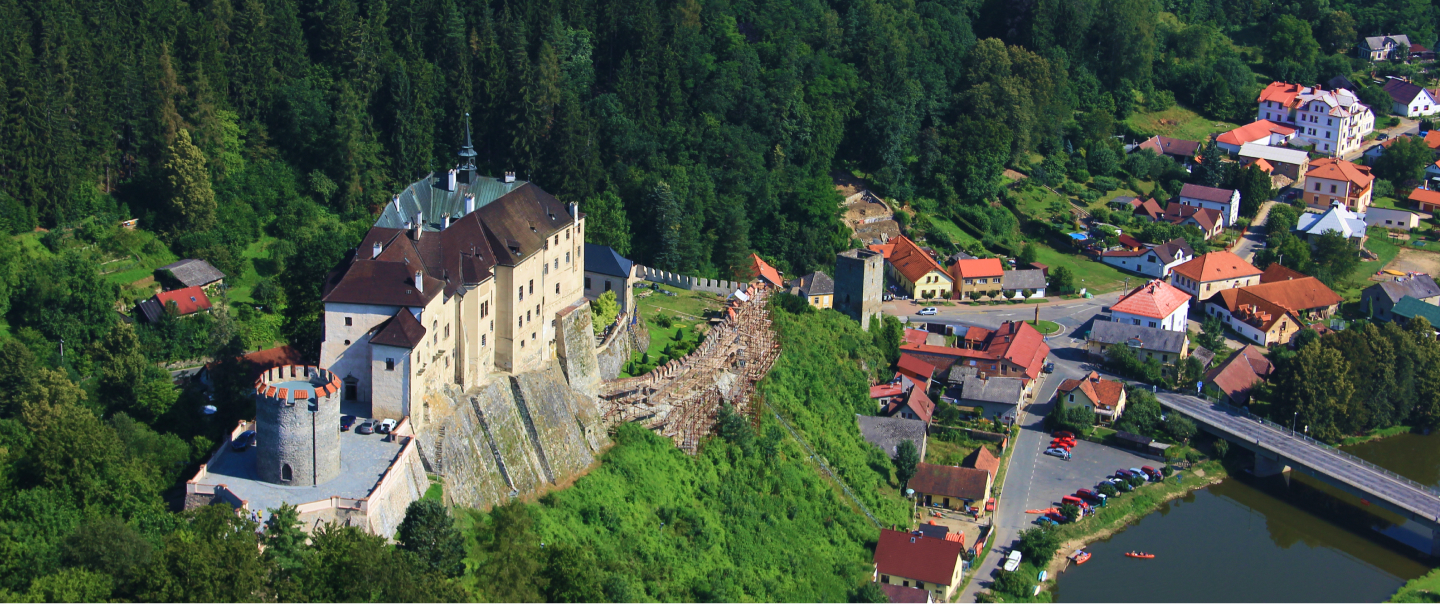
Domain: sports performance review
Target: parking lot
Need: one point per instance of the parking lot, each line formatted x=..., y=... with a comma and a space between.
x=1054, y=478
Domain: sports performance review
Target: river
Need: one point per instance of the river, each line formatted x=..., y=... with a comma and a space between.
x=1274, y=539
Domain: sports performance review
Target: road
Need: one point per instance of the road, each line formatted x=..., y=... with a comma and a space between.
x=1407, y=126
x=1068, y=313
x=1254, y=239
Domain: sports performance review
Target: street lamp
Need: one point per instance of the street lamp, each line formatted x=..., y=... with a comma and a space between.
x=1292, y=422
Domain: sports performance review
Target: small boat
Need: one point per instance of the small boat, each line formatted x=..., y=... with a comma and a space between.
x=1139, y=555
x=1081, y=556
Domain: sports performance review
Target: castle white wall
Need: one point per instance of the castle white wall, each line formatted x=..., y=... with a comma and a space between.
x=351, y=360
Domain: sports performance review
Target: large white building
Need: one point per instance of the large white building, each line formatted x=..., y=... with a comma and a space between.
x=461, y=276
x=1224, y=201
x=1334, y=121
x=1156, y=304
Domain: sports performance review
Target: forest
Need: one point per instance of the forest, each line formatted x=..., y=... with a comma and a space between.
x=262, y=135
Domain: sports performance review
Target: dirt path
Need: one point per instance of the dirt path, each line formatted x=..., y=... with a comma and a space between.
x=1413, y=260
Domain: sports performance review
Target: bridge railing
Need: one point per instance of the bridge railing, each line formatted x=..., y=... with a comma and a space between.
x=1242, y=412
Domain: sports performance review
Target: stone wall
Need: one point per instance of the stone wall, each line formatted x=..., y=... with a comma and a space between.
x=714, y=286
x=575, y=349
x=404, y=483
x=624, y=342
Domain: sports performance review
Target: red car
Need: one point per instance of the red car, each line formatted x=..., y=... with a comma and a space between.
x=1062, y=445
x=1064, y=434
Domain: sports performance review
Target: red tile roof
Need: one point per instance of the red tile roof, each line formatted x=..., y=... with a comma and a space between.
x=911, y=261
x=1164, y=145
x=1282, y=93
x=1305, y=293
x=1252, y=132
x=978, y=267
x=1131, y=242
x=1216, y=266
x=916, y=401
x=1420, y=196
x=1156, y=299
x=187, y=300
x=1206, y=218
x=976, y=334
x=758, y=268
x=983, y=459
x=918, y=370
x=915, y=336
x=1239, y=373
x=1278, y=272
x=950, y=481
x=928, y=559
x=948, y=351
x=1105, y=393
x=886, y=390
x=1019, y=343
x=1330, y=168
x=1150, y=209
x=1432, y=138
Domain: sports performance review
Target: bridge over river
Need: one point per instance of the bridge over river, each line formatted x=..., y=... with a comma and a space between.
x=1277, y=448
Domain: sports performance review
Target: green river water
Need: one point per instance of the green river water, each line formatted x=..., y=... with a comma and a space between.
x=1278, y=539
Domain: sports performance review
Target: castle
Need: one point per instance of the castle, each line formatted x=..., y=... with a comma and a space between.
x=461, y=276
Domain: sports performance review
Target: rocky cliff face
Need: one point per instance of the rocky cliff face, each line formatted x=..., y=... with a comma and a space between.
x=622, y=345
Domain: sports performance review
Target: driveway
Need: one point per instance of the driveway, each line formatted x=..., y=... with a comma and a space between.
x=1407, y=126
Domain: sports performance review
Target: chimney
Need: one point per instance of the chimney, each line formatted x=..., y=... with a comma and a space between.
x=509, y=177
x=450, y=180
x=419, y=282
x=418, y=226
x=376, y=250
x=447, y=222
x=469, y=204
x=574, y=209
x=396, y=201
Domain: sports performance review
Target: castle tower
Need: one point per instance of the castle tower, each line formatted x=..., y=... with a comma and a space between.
x=859, y=279
x=297, y=425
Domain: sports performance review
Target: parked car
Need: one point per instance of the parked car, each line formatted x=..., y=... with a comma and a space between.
x=1140, y=473
x=1045, y=521
x=1073, y=500
x=1049, y=368
x=927, y=311
x=1061, y=453
x=1064, y=434
x=243, y=441
x=1382, y=136
x=366, y=427
x=1056, y=518
x=385, y=426
x=1123, y=475
x=1060, y=444
x=347, y=422
x=1151, y=472
x=1089, y=495
x=1012, y=561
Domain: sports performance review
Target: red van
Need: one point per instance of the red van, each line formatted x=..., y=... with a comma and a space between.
x=1073, y=500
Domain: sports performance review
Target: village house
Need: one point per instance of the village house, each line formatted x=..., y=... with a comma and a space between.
x=1225, y=201
x=606, y=270
x=914, y=560
x=1409, y=100
x=915, y=270
x=1338, y=220
x=1380, y=299
x=898, y=594
x=1425, y=200
x=816, y=288
x=1166, y=346
x=950, y=487
x=1149, y=209
x=917, y=370
x=1105, y=398
x=176, y=302
x=1155, y=304
x=1334, y=122
x=1332, y=181
x=1182, y=151
x=1155, y=262
x=1271, y=313
x=996, y=397
x=974, y=279
x=1292, y=164
x=1014, y=350
x=1386, y=218
x=1021, y=284
x=1380, y=48
x=1208, y=220
x=1237, y=376
x=1208, y=274
x=1408, y=308
x=190, y=272
x=1262, y=132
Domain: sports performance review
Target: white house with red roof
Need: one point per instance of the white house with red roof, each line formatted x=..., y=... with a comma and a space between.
x=1209, y=274
x=1263, y=132
x=1155, y=304
x=1225, y=201
x=915, y=269
x=1334, y=121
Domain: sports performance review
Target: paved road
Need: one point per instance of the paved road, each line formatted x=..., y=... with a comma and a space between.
x=1068, y=313
x=1254, y=240
x=1407, y=126
x=1380, y=484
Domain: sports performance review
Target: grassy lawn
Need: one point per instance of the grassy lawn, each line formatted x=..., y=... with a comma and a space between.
x=1098, y=277
x=953, y=231
x=1035, y=203
x=1422, y=589
x=1178, y=122
x=436, y=491
x=1375, y=434
x=687, y=308
x=1045, y=327
x=945, y=453
x=259, y=255
x=1360, y=279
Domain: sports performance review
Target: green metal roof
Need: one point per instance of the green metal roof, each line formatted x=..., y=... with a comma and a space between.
x=434, y=202
x=1410, y=307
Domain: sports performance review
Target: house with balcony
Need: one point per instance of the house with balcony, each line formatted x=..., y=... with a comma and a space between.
x=1331, y=181
x=1334, y=122
x=1212, y=273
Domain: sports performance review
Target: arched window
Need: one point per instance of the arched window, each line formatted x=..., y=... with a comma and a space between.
x=285, y=473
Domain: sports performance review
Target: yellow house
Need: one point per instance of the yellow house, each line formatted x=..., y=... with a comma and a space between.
x=816, y=288
x=914, y=269
x=914, y=560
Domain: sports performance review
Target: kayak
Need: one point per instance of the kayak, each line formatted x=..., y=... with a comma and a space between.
x=1139, y=555
x=1044, y=511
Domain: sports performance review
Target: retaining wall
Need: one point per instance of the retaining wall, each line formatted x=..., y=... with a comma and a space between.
x=631, y=337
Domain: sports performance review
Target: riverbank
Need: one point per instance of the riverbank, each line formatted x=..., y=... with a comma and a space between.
x=1130, y=507
x=1421, y=589
x=1376, y=434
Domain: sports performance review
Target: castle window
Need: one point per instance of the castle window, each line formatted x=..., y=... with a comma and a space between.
x=352, y=389
x=607, y=285
x=532, y=335
x=557, y=264
x=567, y=231
x=285, y=473
x=567, y=257
x=557, y=240
x=587, y=283
x=527, y=315
x=447, y=332
x=532, y=286
x=389, y=364
x=522, y=292
x=520, y=322
x=557, y=288
x=482, y=340
x=347, y=342
x=347, y=322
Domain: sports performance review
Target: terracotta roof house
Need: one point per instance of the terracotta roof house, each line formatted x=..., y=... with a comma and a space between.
x=1208, y=220
x=1208, y=274
x=1264, y=132
x=978, y=277
x=1379, y=300
x=1129, y=243
x=1106, y=398
x=888, y=432
x=1332, y=122
x=914, y=404
x=1168, y=347
x=187, y=301
x=1307, y=297
x=898, y=594
x=914, y=560
x=1409, y=100
x=1013, y=350
x=1155, y=262
x=950, y=486
x=1330, y=181
x=1224, y=201
x=190, y=272
x=1425, y=199
x=756, y=268
x=915, y=369
x=1279, y=272
x=1155, y=304
x=915, y=269
x=983, y=459
x=1150, y=210
x=1235, y=377
x=915, y=336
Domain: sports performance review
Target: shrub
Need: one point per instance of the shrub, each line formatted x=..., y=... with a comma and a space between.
x=1018, y=584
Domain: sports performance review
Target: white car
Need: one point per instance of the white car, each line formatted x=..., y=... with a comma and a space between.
x=1012, y=562
x=1058, y=452
x=927, y=311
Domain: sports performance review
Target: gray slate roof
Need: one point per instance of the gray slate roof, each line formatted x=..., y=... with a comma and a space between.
x=1139, y=336
x=1202, y=354
x=815, y=284
x=1172, y=250
x=606, y=261
x=1400, y=91
x=1378, y=42
x=888, y=432
x=1420, y=287
x=1024, y=279
x=959, y=371
x=191, y=272
x=994, y=390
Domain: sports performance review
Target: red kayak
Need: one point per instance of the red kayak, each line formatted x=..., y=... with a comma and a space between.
x=1139, y=555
